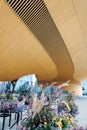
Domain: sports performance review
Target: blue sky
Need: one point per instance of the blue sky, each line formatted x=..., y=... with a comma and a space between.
x=84, y=84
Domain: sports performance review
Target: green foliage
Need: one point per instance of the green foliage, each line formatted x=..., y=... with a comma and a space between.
x=65, y=123
x=9, y=96
x=41, y=121
x=73, y=107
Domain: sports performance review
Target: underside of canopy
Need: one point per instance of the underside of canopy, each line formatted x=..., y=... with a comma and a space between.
x=47, y=38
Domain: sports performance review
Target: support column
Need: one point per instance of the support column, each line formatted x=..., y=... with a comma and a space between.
x=76, y=89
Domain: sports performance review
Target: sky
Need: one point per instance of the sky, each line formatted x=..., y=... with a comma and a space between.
x=84, y=84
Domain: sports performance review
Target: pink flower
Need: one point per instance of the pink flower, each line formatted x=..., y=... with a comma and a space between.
x=24, y=128
x=20, y=122
x=47, y=83
x=16, y=127
x=20, y=126
x=7, y=104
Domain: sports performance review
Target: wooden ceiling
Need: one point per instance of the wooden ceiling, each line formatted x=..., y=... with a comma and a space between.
x=46, y=38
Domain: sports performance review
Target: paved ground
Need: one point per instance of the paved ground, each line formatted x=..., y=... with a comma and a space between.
x=6, y=123
x=82, y=117
x=12, y=121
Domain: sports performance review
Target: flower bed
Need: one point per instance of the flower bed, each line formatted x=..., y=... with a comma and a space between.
x=47, y=118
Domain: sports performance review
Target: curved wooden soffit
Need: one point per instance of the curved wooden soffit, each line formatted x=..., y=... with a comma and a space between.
x=37, y=18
